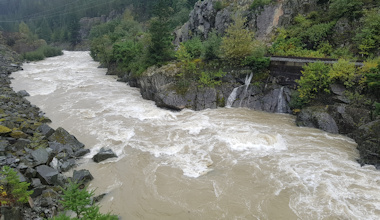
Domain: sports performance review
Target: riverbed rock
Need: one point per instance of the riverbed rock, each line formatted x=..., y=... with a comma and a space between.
x=81, y=152
x=103, y=154
x=82, y=176
x=47, y=175
x=23, y=93
x=65, y=138
x=317, y=117
x=368, y=139
x=40, y=156
x=46, y=130
x=4, y=130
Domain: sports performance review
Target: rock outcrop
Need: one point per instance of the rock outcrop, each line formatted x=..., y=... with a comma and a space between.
x=205, y=17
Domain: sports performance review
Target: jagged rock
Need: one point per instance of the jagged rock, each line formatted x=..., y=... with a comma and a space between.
x=37, y=191
x=55, y=163
x=40, y=156
x=317, y=117
x=67, y=165
x=64, y=151
x=82, y=176
x=36, y=182
x=63, y=137
x=103, y=154
x=3, y=147
x=98, y=198
x=21, y=144
x=23, y=93
x=30, y=173
x=81, y=152
x=368, y=139
x=46, y=130
x=47, y=175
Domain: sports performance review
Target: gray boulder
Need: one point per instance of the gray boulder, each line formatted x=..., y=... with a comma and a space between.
x=67, y=165
x=40, y=156
x=63, y=137
x=46, y=130
x=47, y=175
x=103, y=154
x=82, y=176
x=317, y=117
x=81, y=152
x=23, y=93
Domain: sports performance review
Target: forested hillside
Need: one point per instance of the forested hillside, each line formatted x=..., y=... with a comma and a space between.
x=58, y=21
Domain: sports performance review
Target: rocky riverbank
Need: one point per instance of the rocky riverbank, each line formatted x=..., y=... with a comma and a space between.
x=38, y=153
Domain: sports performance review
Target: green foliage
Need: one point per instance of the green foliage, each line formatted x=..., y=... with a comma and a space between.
x=101, y=49
x=349, y=8
x=12, y=190
x=161, y=47
x=238, y=42
x=212, y=46
x=79, y=201
x=257, y=64
x=103, y=29
x=210, y=79
x=373, y=79
x=194, y=47
x=42, y=52
x=368, y=38
x=344, y=72
x=259, y=4
x=377, y=108
x=314, y=79
x=316, y=33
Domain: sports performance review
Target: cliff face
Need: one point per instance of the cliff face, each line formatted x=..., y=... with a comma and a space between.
x=206, y=17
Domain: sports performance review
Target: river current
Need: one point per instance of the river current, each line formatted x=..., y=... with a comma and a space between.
x=226, y=163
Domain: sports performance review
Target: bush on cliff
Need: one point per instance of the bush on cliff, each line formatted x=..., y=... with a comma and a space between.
x=314, y=79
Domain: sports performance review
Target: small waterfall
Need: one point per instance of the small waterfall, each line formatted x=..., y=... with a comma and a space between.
x=246, y=84
x=231, y=99
x=281, y=102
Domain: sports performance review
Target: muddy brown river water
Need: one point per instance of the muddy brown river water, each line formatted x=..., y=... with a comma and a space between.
x=226, y=163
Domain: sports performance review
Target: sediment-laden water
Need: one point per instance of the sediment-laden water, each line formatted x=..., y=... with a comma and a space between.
x=214, y=164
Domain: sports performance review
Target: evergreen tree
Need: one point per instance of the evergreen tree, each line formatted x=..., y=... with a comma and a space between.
x=44, y=31
x=161, y=47
x=73, y=27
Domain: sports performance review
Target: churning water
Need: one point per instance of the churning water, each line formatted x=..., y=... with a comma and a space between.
x=214, y=164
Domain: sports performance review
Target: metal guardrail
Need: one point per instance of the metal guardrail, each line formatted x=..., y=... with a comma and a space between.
x=309, y=60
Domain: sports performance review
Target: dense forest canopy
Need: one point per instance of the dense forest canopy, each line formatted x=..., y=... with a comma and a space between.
x=53, y=20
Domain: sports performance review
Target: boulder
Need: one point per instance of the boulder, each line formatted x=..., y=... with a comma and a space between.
x=67, y=165
x=368, y=139
x=63, y=137
x=21, y=144
x=40, y=156
x=23, y=93
x=58, y=148
x=81, y=152
x=317, y=117
x=46, y=130
x=103, y=154
x=82, y=176
x=47, y=175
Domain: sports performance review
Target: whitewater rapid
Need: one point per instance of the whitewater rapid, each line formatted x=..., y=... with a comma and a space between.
x=226, y=163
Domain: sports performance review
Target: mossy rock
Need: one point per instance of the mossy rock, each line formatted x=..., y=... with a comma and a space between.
x=4, y=130
x=18, y=134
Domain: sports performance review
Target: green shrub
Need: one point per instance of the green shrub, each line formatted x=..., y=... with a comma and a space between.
x=314, y=79
x=373, y=79
x=42, y=52
x=343, y=72
x=210, y=79
x=12, y=190
x=212, y=46
x=218, y=5
x=194, y=47
x=377, y=108
x=257, y=64
x=79, y=201
x=368, y=38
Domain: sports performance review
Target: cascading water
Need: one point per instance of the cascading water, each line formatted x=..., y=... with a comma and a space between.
x=213, y=164
x=232, y=97
x=281, y=106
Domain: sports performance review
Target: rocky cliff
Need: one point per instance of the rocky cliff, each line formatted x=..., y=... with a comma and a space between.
x=206, y=16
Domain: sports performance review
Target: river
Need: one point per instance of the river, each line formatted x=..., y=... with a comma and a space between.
x=226, y=163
